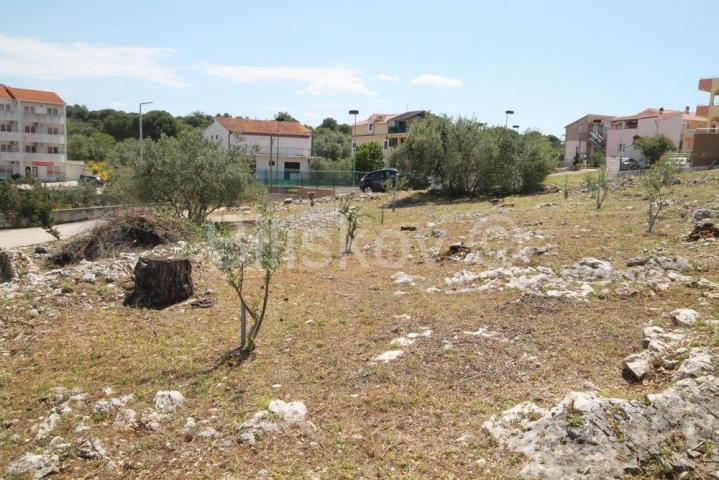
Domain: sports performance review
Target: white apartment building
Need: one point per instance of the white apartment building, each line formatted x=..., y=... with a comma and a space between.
x=287, y=144
x=678, y=126
x=33, y=135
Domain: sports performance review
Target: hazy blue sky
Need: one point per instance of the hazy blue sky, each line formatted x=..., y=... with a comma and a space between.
x=550, y=61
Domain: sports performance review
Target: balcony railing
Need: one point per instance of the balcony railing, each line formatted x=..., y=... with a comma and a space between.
x=285, y=152
x=32, y=157
x=44, y=118
x=10, y=137
x=40, y=137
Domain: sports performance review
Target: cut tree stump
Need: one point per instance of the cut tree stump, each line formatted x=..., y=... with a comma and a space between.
x=160, y=282
x=7, y=269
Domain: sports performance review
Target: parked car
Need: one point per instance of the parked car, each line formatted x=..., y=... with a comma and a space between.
x=628, y=163
x=94, y=179
x=374, y=181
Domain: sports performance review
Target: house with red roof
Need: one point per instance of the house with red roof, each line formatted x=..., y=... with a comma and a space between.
x=32, y=135
x=283, y=146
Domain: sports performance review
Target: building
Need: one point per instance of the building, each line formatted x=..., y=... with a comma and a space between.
x=585, y=136
x=679, y=126
x=706, y=141
x=387, y=129
x=287, y=144
x=32, y=135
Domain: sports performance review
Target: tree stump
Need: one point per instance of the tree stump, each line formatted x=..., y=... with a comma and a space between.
x=160, y=282
x=7, y=269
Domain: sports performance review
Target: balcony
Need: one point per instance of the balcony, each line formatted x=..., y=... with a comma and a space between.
x=43, y=138
x=9, y=115
x=45, y=118
x=708, y=111
x=11, y=137
x=32, y=157
x=285, y=152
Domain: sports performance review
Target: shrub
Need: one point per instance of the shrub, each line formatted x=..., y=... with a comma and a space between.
x=368, y=157
x=654, y=148
x=470, y=159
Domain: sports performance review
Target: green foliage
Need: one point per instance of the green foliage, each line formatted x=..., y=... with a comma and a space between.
x=285, y=117
x=656, y=181
x=654, y=148
x=368, y=157
x=470, y=159
x=598, y=184
x=597, y=159
x=324, y=164
x=27, y=202
x=157, y=123
x=264, y=248
x=193, y=176
x=331, y=143
x=83, y=195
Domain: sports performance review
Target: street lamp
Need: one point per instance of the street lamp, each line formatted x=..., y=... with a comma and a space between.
x=354, y=131
x=506, y=118
x=516, y=127
x=142, y=143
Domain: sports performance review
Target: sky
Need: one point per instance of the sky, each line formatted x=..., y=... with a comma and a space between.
x=550, y=61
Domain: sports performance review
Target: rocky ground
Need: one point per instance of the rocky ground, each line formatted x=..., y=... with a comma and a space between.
x=531, y=336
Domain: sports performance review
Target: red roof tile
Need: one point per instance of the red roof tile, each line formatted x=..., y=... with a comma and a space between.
x=264, y=127
x=647, y=113
x=27, y=95
x=4, y=94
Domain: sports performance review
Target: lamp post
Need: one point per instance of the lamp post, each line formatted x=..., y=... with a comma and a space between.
x=354, y=131
x=516, y=127
x=506, y=118
x=142, y=143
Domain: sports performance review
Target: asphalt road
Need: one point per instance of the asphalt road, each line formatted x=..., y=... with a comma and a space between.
x=21, y=237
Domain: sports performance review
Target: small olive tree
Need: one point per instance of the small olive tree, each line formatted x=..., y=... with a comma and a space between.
x=598, y=184
x=352, y=217
x=656, y=181
x=393, y=186
x=27, y=201
x=264, y=248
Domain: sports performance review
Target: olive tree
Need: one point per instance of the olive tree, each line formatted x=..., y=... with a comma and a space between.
x=352, y=216
x=192, y=176
x=598, y=184
x=656, y=181
x=26, y=201
x=237, y=257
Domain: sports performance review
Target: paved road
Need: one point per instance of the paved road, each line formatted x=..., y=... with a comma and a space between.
x=21, y=237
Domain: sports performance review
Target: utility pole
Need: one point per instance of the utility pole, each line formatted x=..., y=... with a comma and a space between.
x=142, y=142
x=354, y=132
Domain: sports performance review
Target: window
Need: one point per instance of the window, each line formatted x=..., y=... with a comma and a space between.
x=54, y=171
x=4, y=148
x=53, y=150
x=386, y=144
x=30, y=148
x=621, y=147
x=392, y=142
x=370, y=127
x=30, y=129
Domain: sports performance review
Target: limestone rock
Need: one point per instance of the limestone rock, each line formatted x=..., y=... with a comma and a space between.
x=279, y=416
x=168, y=400
x=36, y=466
x=684, y=317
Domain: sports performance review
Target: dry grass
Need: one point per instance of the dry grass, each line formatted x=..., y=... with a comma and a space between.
x=325, y=325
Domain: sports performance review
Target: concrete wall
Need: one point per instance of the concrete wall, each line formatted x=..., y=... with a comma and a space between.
x=706, y=149
x=670, y=126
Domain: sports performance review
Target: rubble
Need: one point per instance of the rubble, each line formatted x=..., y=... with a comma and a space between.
x=703, y=230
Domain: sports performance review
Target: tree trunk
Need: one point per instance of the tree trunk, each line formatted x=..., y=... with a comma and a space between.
x=160, y=282
x=7, y=269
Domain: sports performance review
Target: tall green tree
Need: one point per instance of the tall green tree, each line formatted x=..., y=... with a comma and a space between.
x=157, y=123
x=368, y=156
x=332, y=144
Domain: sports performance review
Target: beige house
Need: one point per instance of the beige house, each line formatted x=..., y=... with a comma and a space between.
x=386, y=129
x=585, y=136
